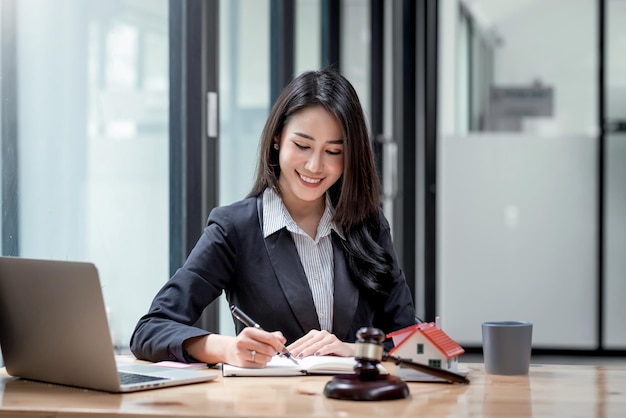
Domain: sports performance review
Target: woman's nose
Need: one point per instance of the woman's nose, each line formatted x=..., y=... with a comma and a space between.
x=314, y=163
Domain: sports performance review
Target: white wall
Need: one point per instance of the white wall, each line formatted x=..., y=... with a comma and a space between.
x=517, y=236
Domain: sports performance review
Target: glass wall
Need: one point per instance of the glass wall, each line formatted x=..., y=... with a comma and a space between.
x=355, y=48
x=517, y=169
x=244, y=85
x=93, y=86
x=244, y=92
x=308, y=45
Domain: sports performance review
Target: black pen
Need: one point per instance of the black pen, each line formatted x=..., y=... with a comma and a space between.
x=249, y=322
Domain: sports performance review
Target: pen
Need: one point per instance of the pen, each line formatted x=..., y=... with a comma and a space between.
x=249, y=322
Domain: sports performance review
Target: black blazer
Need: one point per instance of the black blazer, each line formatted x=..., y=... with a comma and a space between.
x=265, y=278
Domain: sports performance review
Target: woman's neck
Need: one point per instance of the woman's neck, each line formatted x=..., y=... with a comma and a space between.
x=306, y=214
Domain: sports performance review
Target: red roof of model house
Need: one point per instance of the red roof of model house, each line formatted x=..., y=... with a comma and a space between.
x=429, y=330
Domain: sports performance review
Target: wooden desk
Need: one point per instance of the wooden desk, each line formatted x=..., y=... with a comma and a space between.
x=548, y=391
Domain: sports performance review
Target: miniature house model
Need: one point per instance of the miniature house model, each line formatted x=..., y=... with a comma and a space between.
x=425, y=343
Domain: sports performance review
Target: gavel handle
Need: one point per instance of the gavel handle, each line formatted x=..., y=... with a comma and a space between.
x=432, y=371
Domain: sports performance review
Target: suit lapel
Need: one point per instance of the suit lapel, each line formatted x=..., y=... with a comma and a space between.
x=290, y=274
x=292, y=280
x=346, y=297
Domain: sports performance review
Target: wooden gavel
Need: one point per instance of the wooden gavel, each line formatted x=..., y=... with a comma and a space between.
x=367, y=384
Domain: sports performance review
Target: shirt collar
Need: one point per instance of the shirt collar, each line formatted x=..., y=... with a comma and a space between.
x=276, y=217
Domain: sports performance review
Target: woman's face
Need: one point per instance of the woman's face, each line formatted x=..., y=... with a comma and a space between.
x=310, y=156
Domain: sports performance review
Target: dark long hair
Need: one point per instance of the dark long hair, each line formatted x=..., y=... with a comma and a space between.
x=356, y=195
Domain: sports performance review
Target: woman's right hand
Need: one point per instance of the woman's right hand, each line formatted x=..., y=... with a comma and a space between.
x=252, y=348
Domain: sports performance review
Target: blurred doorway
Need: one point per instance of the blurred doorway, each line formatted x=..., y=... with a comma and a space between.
x=614, y=171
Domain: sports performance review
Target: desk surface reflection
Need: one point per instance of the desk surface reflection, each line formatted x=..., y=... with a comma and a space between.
x=548, y=391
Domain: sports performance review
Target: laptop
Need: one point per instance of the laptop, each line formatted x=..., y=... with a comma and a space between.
x=54, y=328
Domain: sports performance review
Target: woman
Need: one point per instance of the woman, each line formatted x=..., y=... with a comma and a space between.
x=307, y=254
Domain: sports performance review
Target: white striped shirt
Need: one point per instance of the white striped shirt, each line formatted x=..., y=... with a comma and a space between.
x=316, y=255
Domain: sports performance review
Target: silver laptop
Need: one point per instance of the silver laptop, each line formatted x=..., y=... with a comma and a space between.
x=54, y=328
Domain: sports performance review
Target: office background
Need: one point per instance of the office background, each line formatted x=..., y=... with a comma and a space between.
x=499, y=128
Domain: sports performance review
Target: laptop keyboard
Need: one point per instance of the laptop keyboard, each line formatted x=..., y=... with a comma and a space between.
x=129, y=378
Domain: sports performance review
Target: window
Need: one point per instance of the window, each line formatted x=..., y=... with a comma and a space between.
x=420, y=348
x=92, y=97
x=434, y=363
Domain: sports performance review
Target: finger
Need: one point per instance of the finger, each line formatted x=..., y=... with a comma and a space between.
x=261, y=341
x=262, y=359
x=251, y=358
x=280, y=337
x=329, y=344
x=296, y=347
x=321, y=346
x=311, y=345
x=304, y=341
x=326, y=349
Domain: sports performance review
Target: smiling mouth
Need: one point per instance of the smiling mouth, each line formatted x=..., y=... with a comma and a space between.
x=309, y=179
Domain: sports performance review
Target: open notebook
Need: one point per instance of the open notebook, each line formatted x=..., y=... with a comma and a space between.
x=282, y=366
x=54, y=328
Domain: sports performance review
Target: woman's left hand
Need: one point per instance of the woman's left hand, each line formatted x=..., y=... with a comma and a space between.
x=320, y=343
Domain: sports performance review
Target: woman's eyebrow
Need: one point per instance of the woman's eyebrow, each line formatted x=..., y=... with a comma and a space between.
x=306, y=136
x=303, y=135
